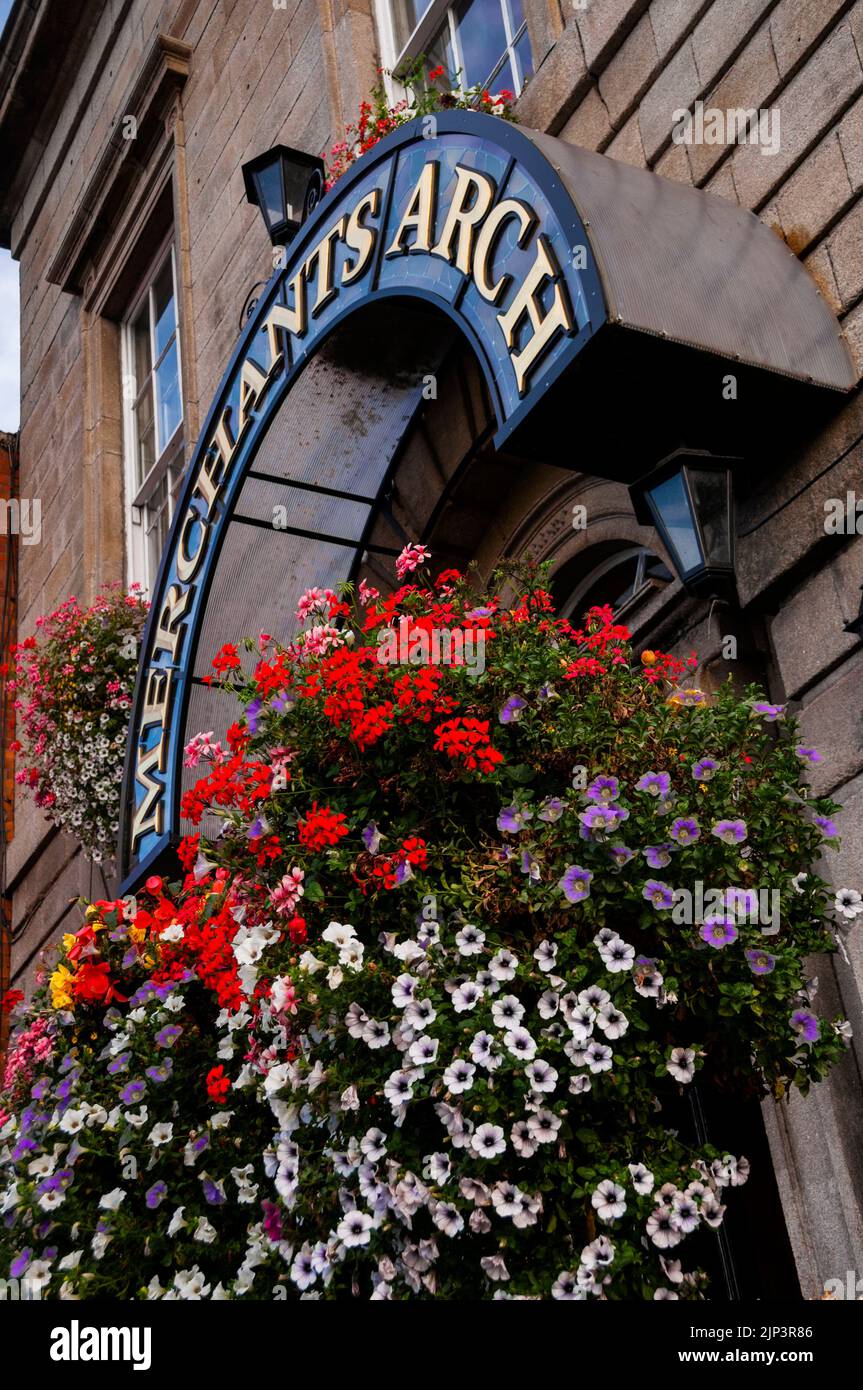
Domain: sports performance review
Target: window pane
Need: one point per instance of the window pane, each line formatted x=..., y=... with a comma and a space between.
x=406, y=16
x=163, y=308
x=157, y=523
x=141, y=348
x=145, y=441
x=482, y=36
x=168, y=405
x=440, y=55
x=524, y=58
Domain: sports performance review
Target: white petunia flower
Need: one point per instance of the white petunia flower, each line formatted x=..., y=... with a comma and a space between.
x=488, y=1141
x=469, y=940
x=423, y=1051
x=523, y=1140
x=459, y=1075
x=663, y=1228
x=355, y=1229
x=519, y=1042
x=617, y=954
x=541, y=1075
x=110, y=1201
x=502, y=965
x=642, y=1179
x=612, y=1022
x=681, y=1064
x=545, y=955
x=374, y=1144
x=466, y=997
x=403, y=990
x=507, y=1011
x=544, y=1125
x=599, y=1058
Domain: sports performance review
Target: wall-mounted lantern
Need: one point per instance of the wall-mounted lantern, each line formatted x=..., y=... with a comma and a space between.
x=286, y=185
x=689, y=498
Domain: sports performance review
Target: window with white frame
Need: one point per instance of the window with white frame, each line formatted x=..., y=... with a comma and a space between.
x=153, y=425
x=477, y=42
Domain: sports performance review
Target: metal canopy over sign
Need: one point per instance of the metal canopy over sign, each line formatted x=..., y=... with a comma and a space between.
x=462, y=213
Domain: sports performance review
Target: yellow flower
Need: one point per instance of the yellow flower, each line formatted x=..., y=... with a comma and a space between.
x=60, y=986
x=68, y=941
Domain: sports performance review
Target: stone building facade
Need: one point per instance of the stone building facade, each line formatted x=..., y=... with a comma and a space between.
x=128, y=123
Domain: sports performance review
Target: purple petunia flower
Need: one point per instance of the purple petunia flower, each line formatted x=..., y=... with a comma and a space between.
x=132, y=1092
x=604, y=789
x=156, y=1194
x=599, y=821
x=161, y=1072
x=659, y=895
x=808, y=755
x=620, y=854
x=529, y=866
x=403, y=871
x=732, y=832
x=40, y=1090
x=742, y=901
x=704, y=769
x=657, y=856
x=513, y=819
x=770, y=712
x=806, y=1025
x=284, y=702
x=20, y=1263
x=214, y=1192
x=167, y=1036
x=760, y=962
x=551, y=809
x=511, y=711
x=371, y=837
x=256, y=829
x=655, y=783
x=575, y=884
x=119, y=1063
x=253, y=710
x=684, y=830
x=827, y=828
x=718, y=931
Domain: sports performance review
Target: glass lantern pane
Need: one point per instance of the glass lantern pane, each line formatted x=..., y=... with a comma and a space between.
x=271, y=198
x=710, y=494
x=676, y=524
x=296, y=184
x=483, y=38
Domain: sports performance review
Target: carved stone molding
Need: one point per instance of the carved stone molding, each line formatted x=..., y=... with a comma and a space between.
x=143, y=111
